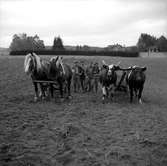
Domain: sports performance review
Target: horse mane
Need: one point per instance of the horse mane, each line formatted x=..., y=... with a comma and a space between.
x=58, y=60
x=26, y=64
x=38, y=61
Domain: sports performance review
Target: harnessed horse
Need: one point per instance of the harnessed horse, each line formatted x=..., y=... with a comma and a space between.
x=38, y=70
x=62, y=73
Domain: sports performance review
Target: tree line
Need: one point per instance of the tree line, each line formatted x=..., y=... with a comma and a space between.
x=23, y=42
x=146, y=41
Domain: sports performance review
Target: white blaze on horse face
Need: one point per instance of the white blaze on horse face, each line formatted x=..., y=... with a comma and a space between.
x=104, y=90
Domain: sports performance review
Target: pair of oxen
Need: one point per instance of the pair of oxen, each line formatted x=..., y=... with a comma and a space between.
x=134, y=78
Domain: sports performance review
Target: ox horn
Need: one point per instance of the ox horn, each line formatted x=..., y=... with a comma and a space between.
x=144, y=68
x=118, y=63
x=104, y=63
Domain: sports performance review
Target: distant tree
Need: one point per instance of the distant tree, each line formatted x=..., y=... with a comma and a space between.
x=23, y=42
x=85, y=48
x=162, y=43
x=78, y=48
x=145, y=41
x=58, y=44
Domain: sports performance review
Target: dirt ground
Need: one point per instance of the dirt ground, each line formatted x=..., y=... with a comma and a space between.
x=83, y=131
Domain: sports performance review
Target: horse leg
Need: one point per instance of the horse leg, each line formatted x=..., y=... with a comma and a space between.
x=36, y=91
x=42, y=93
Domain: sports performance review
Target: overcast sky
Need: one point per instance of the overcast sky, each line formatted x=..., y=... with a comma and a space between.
x=78, y=22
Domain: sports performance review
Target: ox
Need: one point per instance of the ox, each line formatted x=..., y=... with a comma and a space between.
x=135, y=80
x=108, y=79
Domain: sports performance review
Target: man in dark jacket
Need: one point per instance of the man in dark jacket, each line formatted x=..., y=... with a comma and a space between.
x=82, y=76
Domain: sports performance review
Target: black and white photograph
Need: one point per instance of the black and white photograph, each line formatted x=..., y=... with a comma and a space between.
x=83, y=83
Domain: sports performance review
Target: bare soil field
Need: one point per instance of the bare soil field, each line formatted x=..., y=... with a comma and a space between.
x=83, y=131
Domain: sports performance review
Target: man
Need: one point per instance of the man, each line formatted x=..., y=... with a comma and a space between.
x=82, y=76
x=76, y=76
x=89, y=77
x=95, y=72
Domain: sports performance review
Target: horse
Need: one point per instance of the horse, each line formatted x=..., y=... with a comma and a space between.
x=38, y=70
x=62, y=73
x=135, y=80
x=108, y=79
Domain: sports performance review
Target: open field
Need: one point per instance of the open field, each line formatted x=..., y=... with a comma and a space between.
x=83, y=131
